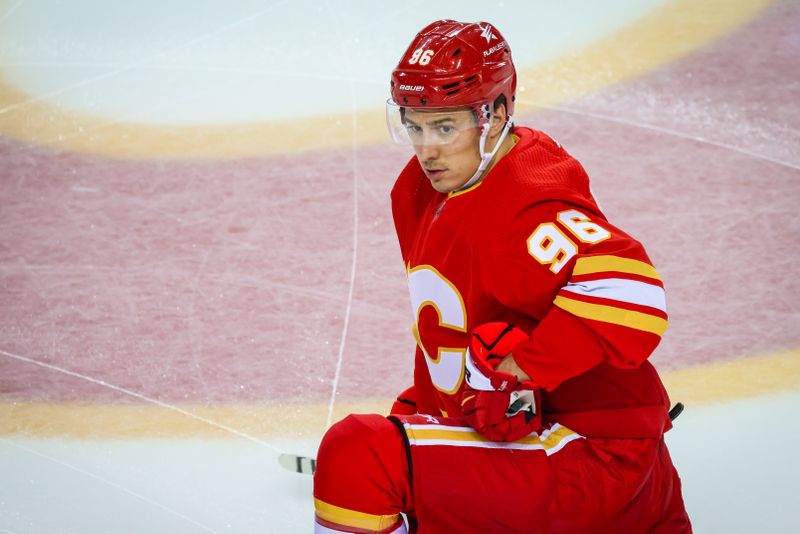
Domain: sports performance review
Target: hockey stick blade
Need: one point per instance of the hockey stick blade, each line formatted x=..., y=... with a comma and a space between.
x=298, y=464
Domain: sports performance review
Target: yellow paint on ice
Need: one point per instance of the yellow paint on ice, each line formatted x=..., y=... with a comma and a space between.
x=120, y=421
x=735, y=379
x=667, y=33
x=694, y=386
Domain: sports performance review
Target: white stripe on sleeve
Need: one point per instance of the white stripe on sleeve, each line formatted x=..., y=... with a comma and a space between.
x=623, y=290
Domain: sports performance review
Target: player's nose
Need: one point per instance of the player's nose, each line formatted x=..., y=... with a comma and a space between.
x=428, y=152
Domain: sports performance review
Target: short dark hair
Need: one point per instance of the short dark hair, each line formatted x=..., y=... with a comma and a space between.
x=501, y=100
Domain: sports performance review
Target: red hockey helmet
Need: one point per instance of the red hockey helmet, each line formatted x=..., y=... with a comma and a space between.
x=455, y=64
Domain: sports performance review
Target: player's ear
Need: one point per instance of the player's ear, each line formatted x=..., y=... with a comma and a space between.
x=499, y=117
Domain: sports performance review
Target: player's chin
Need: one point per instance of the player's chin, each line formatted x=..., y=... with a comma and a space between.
x=441, y=186
x=442, y=182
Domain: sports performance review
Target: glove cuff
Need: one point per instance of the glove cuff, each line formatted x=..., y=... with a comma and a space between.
x=482, y=377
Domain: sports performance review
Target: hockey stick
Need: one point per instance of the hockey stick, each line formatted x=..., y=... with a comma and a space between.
x=304, y=465
x=676, y=411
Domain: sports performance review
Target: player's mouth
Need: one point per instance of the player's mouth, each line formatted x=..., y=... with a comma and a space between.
x=435, y=174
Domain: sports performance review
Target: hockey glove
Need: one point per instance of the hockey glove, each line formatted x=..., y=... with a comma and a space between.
x=497, y=404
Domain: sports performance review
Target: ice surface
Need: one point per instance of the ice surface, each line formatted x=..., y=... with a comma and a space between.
x=734, y=460
x=277, y=58
x=173, y=319
x=185, y=486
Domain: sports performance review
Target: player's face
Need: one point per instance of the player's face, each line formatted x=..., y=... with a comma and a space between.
x=447, y=145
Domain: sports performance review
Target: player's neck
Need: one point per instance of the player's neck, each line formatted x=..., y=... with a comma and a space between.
x=505, y=148
x=508, y=143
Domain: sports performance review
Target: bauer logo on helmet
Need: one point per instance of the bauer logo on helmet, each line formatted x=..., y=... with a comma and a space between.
x=494, y=49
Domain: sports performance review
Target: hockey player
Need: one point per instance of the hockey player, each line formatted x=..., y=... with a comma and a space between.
x=533, y=408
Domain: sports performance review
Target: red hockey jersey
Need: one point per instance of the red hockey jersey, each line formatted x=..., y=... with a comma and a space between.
x=529, y=245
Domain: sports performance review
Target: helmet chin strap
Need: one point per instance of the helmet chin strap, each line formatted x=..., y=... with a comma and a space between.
x=486, y=157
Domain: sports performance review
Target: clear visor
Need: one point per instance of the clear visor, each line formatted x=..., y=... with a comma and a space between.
x=429, y=126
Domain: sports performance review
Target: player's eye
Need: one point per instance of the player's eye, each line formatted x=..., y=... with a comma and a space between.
x=446, y=129
x=413, y=129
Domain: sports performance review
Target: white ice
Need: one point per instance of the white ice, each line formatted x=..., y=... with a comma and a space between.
x=736, y=462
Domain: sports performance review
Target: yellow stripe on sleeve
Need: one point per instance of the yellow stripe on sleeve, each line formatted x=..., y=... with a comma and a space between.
x=601, y=264
x=351, y=518
x=610, y=314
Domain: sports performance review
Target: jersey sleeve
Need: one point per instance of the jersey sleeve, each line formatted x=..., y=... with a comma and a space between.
x=590, y=287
